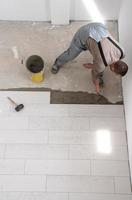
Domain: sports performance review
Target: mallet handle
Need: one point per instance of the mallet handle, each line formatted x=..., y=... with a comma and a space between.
x=13, y=102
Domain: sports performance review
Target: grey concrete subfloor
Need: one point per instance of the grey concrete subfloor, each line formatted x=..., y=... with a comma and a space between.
x=19, y=40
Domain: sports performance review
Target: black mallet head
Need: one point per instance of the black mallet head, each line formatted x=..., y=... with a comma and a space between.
x=19, y=107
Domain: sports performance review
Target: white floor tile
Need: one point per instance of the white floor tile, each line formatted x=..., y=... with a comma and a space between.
x=23, y=136
x=88, y=196
x=92, y=152
x=80, y=184
x=32, y=196
x=109, y=168
x=96, y=111
x=15, y=123
x=25, y=97
x=122, y=185
x=113, y=123
x=12, y=166
x=22, y=183
x=58, y=123
x=84, y=137
x=31, y=101
x=47, y=110
x=69, y=137
x=19, y=151
x=58, y=167
x=114, y=137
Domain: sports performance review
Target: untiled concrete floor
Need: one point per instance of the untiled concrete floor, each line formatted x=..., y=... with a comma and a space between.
x=19, y=40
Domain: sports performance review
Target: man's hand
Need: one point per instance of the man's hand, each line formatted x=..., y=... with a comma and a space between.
x=88, y=65
x=97, y=87
x=95, y=82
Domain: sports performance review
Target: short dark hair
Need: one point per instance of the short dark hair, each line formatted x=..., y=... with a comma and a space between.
x=120, y=67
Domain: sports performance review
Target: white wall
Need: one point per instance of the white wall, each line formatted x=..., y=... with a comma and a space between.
x=30, y=10
x=48, y=10
x=108, y=9
x=60, y=14
x=125, y=35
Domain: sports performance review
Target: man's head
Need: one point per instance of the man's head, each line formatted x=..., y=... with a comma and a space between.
x=119, y=67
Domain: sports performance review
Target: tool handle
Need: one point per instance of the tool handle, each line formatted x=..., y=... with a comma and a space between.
x=13, y=102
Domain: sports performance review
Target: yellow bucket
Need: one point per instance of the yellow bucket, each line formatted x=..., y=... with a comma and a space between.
x=37, y=77
x=35, y=66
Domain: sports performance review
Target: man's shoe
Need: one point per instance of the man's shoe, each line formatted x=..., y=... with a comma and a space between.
x=55, y=69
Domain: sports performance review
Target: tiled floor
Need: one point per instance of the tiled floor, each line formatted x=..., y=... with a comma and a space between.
x=62, y=152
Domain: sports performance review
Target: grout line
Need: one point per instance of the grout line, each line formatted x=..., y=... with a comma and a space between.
x=68, y=196
x=46, y=177
x=69, y=175
x=90, y=167
x=43, y=192
x=63, y=159
x=59, y=144
x=4, y=151
x=68, y=152
x=48, y=138
x=114, y=184
x=25, y=164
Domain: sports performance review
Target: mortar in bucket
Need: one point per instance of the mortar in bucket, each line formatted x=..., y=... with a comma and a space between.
x=35, y=66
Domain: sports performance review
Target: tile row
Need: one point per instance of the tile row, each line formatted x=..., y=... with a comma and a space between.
x=60, y=196
x=40, y=108
x=64, y=167
x=58, y=123
x=82, y=184
x=62, y=137
x=62, y=152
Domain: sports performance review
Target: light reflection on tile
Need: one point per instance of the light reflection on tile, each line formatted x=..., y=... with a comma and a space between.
x=104, y=141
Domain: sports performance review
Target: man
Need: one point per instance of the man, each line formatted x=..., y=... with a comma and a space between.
x=104, y=49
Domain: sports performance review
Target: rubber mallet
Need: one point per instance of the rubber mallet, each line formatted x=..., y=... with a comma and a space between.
x=18, y=107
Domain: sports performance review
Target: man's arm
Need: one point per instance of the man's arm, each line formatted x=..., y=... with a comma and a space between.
x=95, y=75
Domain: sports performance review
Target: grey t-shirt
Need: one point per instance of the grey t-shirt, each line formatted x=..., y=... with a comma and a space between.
x=97, y=31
